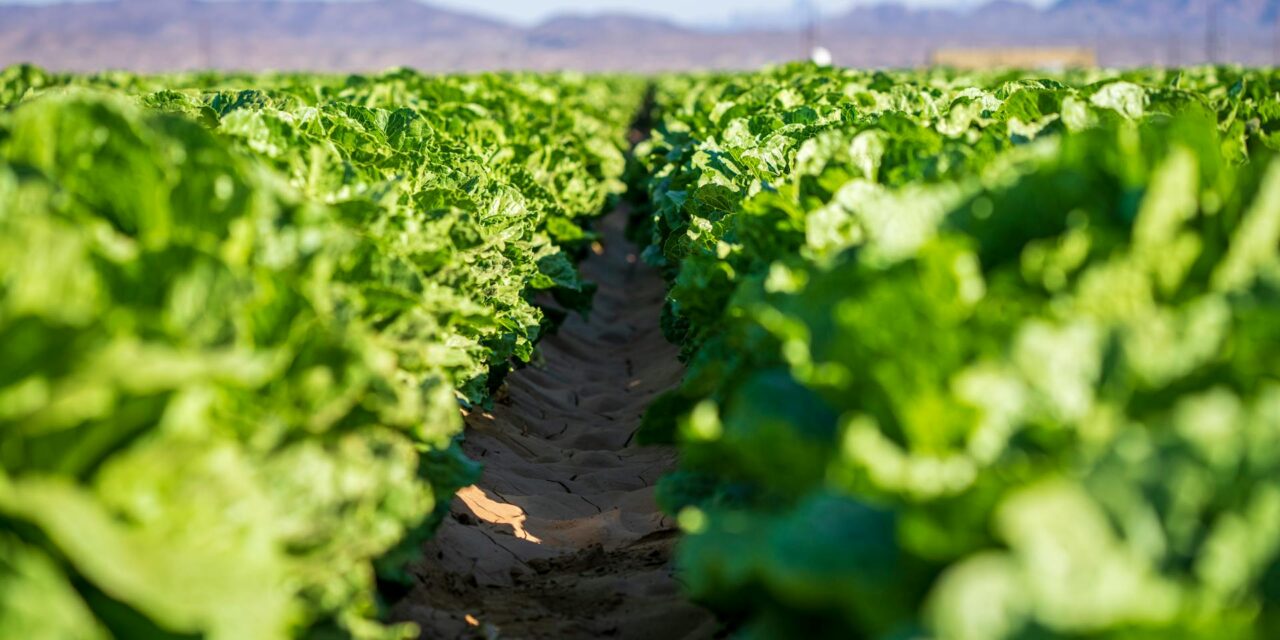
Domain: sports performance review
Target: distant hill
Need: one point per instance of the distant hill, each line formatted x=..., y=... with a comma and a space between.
x=576, y=30
x=1124, y=32
x=154, y=35
x=390, y=20
x=180, y=34
x=1081, y=18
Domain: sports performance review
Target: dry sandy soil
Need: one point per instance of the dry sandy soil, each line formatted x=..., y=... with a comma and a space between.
x=561, y=537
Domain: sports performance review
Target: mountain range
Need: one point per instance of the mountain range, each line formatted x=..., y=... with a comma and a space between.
x=156, y=35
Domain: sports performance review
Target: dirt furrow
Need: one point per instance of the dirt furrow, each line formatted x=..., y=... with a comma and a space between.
x=561, y=537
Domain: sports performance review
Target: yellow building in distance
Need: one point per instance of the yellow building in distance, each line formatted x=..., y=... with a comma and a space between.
x=1048, y=58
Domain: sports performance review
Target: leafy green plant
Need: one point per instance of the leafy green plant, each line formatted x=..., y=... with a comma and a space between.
x=972, y=356
x=237, y=325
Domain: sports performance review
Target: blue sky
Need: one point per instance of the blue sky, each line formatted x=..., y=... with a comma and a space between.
x=685, y=11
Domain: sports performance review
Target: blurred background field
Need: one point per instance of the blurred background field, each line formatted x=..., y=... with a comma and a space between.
x=457, y=35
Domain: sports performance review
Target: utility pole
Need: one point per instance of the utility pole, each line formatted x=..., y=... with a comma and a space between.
x=1275, y=41
x=1211, y=33
x=808, y=14
x=204, y=42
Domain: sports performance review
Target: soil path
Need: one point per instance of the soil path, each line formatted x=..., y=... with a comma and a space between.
x=561, y=537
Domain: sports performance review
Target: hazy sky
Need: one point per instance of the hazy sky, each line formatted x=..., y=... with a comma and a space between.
x=686, y=11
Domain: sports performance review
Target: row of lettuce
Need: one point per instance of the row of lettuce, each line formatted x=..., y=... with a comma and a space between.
x=238, y=315
x=973, y=356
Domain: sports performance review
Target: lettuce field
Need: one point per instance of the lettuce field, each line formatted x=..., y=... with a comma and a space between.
x=960, y=356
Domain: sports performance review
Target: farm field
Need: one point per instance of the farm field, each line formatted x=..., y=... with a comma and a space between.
x=803, y=352
x=972, y=356
x=238, y=325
